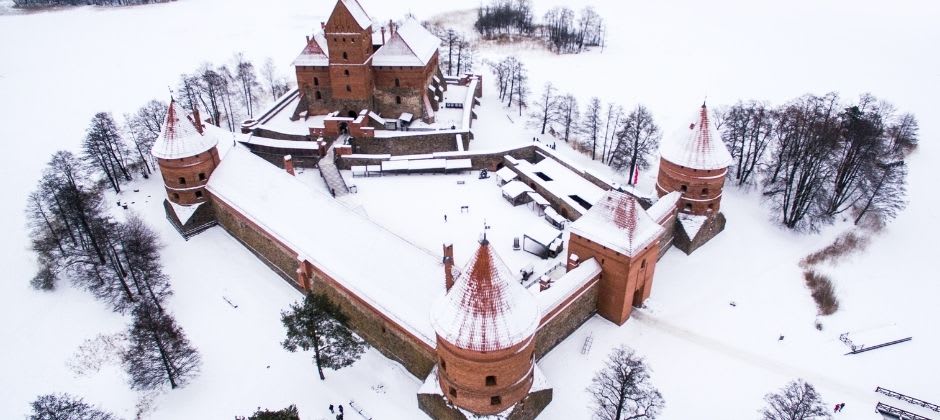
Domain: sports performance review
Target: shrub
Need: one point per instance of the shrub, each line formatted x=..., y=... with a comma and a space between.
x=823, y=292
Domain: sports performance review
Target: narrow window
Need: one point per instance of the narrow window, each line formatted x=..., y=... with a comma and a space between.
x=496, y=400
x=198, y=194
x=491, y=380
x=316, y=81
x=704, y=191
x=643, y=264
x=684, y=188
x=346, y=72
x=711, y=207
x=688, y=206
x=344, y=39
x=453, y=392
x=345, y=56
x=182, y=181
x=398, y=100
x=443, y=365
x=397, y=82
x=202, y=176
x=319, y=96
x=348, y=89
x=176, y=196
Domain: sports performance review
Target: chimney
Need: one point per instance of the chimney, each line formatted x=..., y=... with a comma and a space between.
x=197, y=120
x=323, y=26
x=573, y=262
x=545, y=282
x=308, y=38
x=383, y=35
x=448, y=266
x=289, y=164
x=391, y=27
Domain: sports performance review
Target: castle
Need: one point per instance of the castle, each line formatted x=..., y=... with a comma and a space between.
x=474, y=332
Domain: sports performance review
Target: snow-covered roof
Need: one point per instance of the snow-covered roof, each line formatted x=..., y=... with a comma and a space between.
x=697, y=145
x=409, y=45
x=179, y=137
x=619, y=222
x=664, y=206
x=316, y=53
x=486, y=309
x=506, y=174
x=514, y=189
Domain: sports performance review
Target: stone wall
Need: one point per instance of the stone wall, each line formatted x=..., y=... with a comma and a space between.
x=571, y=315
x=303, y=158
x=490, y=161
x=411, y=144
x=711, y=228
x=438, y=408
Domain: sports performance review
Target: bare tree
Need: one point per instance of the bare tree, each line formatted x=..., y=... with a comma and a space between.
x=855, y=152
x=884, y=193
x=247, y=83
x=623, y=389
x=614, y=114
x=796, y=401
x=567, y=114
x=746, y=129
x=546, y=106
x=637, y=142
x=591, y=126
x=144, y=129
x=276, y=84
x=66, y=407
x=159, y=352
x=105, y=150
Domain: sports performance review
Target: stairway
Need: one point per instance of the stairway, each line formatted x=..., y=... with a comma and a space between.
x=331, y=175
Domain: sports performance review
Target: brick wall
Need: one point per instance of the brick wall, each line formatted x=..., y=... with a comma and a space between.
x=701, y=189
x=418, y=144
x=711, y=228
x=556, y=327
x=438, y=408
x=194, y=173
x=490, y=161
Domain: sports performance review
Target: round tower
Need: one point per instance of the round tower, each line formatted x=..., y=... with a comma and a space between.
x=694, y=163
x=485, y=327
x=186, y=156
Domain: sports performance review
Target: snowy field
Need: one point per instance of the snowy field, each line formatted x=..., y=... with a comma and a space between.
x=710, y=360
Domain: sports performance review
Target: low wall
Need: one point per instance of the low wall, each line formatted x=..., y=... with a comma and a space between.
x=438, y=408
x=711, y=228
x=302, y=158
x=571, y=314
x=411, y=144
x=478, y=160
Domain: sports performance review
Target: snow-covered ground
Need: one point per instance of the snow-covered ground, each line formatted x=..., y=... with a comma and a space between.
x=710, y=360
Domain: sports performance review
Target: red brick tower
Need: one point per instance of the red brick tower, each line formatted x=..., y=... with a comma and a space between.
x=186, y=156
x=349, y=38
x=624, y=239
x=695, y=163
x=485, y=329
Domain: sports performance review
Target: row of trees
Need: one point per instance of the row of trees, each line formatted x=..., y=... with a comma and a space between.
x=505, y=18
x=566, y=33
x=816, y=157
x=457, y=52
x=48, y=3
x=620, y=138
x=513, y=82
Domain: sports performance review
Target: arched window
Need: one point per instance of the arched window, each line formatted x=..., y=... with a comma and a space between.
x=453, y=392
x=319, y=96
x=316, y=81
x=398, y=100
x=202, y=176
x=182, y=181
x=397, y=82
x=176, y=196
x=198, y=194
x=684, y=188
x=496, y=400
x=348, y=88
x=704, y=191
x=346, y=72
x=345, y=56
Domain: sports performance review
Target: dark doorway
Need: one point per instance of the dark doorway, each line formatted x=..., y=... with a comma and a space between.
x=343, y=128
x=352, y=114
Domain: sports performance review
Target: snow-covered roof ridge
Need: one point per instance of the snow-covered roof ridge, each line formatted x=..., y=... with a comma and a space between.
x=316, y=53
x=665, y=205
x=698, y=146
x=486, y=309
x=179, y=137
x=619, y=222
x=410, y=45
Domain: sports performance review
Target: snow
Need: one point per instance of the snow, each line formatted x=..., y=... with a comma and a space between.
x=282, y=144
x=543, y=233
x=410, y=45
x=562, y=182
x=514, y=189
x=698, y=145
x=617, y=221
x=316, y=53
x=185, y=212
x=706, y=357
x=664, y=206
x=691, y=223
x=486, y=309
x=358, y=13
x=179, y=137
x=506, y=174
x=276, y=201
x=550, y=299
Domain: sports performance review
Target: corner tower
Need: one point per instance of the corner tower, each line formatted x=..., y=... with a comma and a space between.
x=186, y=156
x=348, y=35
x=624, y=239
x=485, y=327
x=695, y=163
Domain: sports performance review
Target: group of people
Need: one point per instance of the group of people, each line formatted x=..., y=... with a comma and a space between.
x=338, y=412
x=839, y=407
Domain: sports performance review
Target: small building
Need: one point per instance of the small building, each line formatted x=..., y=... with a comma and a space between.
x=516, y=192
x=186, y=156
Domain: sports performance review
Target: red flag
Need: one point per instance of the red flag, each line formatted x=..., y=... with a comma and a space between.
x=636, y=175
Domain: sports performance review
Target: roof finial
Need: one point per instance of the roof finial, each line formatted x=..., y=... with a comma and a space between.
x=484, y=241
x=704, y=101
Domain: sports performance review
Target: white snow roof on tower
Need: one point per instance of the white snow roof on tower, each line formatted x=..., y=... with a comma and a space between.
x=697, y=145
x=358, y=13
x=617, y=221
x=179, y=137
x=316, y=53
x=486, y=309
x=409, y=45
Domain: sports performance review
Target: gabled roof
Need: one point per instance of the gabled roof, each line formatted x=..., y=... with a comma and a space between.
x=409, y=45
x=355, y=9
x=316, y=53
x=179, y=137
x=697, y=146
x=486, y=309
x=618, y=222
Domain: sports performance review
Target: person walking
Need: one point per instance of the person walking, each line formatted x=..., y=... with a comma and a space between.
x=331, y=408
x=341, y=409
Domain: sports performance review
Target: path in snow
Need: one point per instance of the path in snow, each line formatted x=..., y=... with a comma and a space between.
x=750, y=358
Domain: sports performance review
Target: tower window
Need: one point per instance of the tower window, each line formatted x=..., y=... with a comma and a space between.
x=319, y=96
x=198, y=194
x=348, y=88
x=711, y=206
x=643, y=264
x=443, y=365
x=688, y=206
x=182, y=181
x=176, y=196
x=397, y=82
x=316, y=81
x=346, y=72
x=491, y=380
x=202, y=176
x=496, y=400
x=684, y=188
x=345, y=56
x=398, y=100
x=453, y=392
x=704, y=191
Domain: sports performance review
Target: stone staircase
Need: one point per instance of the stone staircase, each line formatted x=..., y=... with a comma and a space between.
x=331, y=175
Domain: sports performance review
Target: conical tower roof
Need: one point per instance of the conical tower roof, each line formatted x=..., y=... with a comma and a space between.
x=697, y=145
x=618, y=222
x=179, y=137
x=486, y=309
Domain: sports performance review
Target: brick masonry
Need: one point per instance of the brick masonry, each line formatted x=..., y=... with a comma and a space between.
x=557, y=326
x=701, y=189
x=413, y=144
x=711, y=228
x=185, y=179
x=437, y=407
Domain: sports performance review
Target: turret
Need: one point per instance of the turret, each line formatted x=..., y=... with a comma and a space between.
x=186, y=155
x=695, y=163
x=485, y=327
